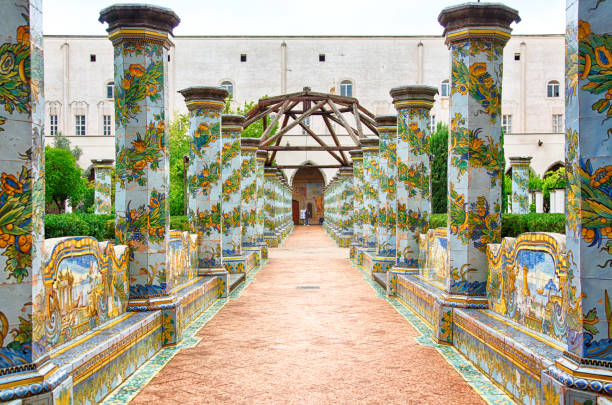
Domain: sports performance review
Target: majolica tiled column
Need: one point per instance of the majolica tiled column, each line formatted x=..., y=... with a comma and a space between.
x=413, y=104
x=476, y=34
x=261, y=157
x=520, y=184
x=269, y=201
x=346, y=205
x=141, y=38
x=231, y=178
x=204, y=174
x=248, y=147
x=387, y=210
x=369, y=147
x=22, y=185
x=357, y=158
x=102, y=180
x=588, y=156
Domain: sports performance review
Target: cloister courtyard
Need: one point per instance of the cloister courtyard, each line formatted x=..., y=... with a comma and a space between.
x=309, y=246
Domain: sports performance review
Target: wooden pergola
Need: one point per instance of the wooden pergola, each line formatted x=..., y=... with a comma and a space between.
x=291, y=110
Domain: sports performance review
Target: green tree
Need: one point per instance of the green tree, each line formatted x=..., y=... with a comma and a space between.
x=63, y=179
x=255, y=130
x=61, y=142
x=178, y=135
x=439, y=168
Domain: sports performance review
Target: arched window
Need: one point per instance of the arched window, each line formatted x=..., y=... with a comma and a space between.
x=552, y=89
x=346, y=88
x=227, y=85
x=110, y=90
x=445, y=88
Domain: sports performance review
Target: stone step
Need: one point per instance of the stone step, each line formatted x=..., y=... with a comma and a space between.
x=381, y=278
x=235, y=279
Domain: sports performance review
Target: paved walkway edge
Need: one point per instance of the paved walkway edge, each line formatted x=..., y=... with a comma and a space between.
x=143, y=375
x=481, y=384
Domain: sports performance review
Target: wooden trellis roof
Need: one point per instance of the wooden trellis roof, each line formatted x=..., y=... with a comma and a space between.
x=291, y=110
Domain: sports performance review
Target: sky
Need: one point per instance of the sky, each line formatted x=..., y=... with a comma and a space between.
x=292, y=17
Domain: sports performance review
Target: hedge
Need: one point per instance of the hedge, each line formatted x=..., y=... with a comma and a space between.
x=102, y=227
x=515, y=224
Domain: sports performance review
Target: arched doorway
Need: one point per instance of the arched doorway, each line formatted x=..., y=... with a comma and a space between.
x=308, y=186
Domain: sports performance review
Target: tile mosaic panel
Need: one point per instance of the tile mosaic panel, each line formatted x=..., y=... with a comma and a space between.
x=249, y=200
x=83, y=284
x=21, y=176
x=371, y=171
x=520, y=185
x=413, y=182
x=528, y=283
x=588, y=153
x=231, y=179
x=102, y=193
x=475, y=159
x=205, y=186
x=387, y=189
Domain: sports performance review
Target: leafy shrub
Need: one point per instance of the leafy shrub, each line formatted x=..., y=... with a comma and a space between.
x=514, y=224
x=101, y=227
x=179, y=223
x=78, y=224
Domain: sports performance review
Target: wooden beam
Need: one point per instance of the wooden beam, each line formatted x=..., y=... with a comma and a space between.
x=337, y=121
x=261, y=114
x=358, y=120
x=296, y=122
x=320, y=142
x=369, y=123
x=308, y=148
x=306, y=166
x=274, y=121
x=330, y=128
x=343, y=122
x=278, y=140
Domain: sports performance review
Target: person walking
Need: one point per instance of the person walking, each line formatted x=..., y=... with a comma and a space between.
x=307, y=218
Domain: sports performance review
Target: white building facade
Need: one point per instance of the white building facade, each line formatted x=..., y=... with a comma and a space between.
x=79, y=83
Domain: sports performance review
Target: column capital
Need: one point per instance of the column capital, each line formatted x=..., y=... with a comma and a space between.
x=414, y=96
x=232, y=123
x=356, y=154
x=346, y=171
x=520, y=160
x=249, y=144
x=139, y=22
x=386, y=123
x=102, y=163
x=369, y=144
x=490, y=21
x=204, y=97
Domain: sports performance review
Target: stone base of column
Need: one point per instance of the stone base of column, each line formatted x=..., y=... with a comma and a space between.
x=576, y=382
x=253, y=253
x=242, y=264
x=271, y=239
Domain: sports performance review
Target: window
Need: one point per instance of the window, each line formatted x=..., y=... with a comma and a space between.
x=79, y=125
x=553, y=88
x=168, y=58
x=346, y=88
x=243, y=57
x=227, y=85
x=507, y=124
x=517, y=56
x=557, y=123
x=445, y=88
x=110, y=90
x=106, y=121
x=432, y=123
x=92, y=57
x=321, y=57
x=53, y=124
x=306, y=122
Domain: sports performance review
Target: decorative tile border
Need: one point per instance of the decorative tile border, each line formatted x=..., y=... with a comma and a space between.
x=141, y=377
x=481, y=384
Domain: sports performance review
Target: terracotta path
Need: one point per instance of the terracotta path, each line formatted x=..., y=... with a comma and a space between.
x=279, y=343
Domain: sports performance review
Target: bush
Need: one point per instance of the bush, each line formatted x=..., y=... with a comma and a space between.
x=78, y=224
x=179, y=223
x=101, y=227
x=514, y=224
x=439, y=168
